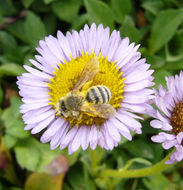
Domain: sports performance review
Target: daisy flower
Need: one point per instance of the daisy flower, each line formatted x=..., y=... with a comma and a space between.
x=169, y=118
x=56, y=70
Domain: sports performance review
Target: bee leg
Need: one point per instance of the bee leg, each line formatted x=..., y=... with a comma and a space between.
x=56, y=116
x=72, y=114
x=79, y=116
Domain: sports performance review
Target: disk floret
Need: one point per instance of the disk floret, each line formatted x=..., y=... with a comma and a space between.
x=177, y=118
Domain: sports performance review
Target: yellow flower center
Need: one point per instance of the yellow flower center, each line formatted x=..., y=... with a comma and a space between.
x=177, y=118
x=66, y=76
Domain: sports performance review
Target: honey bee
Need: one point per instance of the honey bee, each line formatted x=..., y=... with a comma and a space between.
x=94, y=102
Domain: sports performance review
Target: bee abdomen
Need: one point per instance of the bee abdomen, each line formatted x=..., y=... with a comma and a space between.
x=98, y=94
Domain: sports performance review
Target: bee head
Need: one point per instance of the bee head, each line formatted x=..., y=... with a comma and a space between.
x=61, y=109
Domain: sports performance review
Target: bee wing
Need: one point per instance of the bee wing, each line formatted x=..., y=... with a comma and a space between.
x=90, y=70
x=101, y=110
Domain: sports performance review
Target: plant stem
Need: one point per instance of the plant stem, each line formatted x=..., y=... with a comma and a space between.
x=121, y=173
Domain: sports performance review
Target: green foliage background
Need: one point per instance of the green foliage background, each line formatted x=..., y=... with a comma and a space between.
x=157, y=25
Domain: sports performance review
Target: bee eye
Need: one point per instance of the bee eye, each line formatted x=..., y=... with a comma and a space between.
x=62, y=114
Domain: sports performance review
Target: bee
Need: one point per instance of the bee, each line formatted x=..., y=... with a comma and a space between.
x=94, y=101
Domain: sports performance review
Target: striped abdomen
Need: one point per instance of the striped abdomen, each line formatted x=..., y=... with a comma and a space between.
x=98, y=94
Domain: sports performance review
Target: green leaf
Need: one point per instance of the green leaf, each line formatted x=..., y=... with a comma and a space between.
x=43, y=155
x=156, y=61
x=100, y=12
x=1, y=95
x=15, y=125
x=124, y=140
x=16, y=128
x=7, y=8
x=2, y=20
x=8, y=41
x=72, y=159
x=27, y=3
x=10, y=140
x=37, y=181
x=153, y=6
x=50, y=22
x=159, y=78
x=158, y=182
x=80, y=180
x=40, y=7
x=174, y=65
x=128, y=29
x=145, y=152
x=121, y=9
x=11, y=69
x=9, y=46
x=34, y=29
x=66, y=10
x=174, y=49
x=158, y=152
x=27, y=155
x=137, y=160
x=48, y=1
x=47, y=155
x=15, y=104
x=164, y=28
x=18, y=30
x=79, y=21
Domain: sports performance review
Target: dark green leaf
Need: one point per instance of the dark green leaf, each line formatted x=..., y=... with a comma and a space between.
x=153, y=6
x=121, y=9
x=158, y=182
x=66, y=10
x=18, y=30
x=175, y=48
x=145, y=152
x=34, y=29
x=9, y=45
x=1, y=95
x=80, y=180
x=40, y=7
x=2, y=20
x=174, y=65
x=164, y=28
x=27, y=3
x=100, y=12
x=79, y=21
x=50, y=22
x=76, y=179
x=158, y=152
x=155, y=60
x=128, y=29
x=7, y=8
